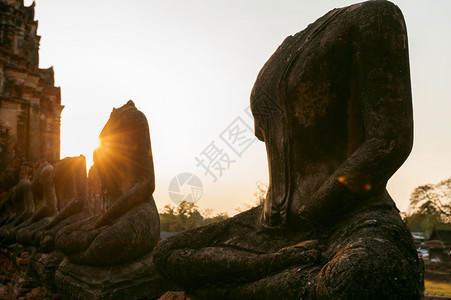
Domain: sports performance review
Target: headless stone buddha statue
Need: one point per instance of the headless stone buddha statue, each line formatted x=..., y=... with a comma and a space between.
x=18, y=208
x=45, y=204
x=55, y=194
x=333, y=106
x=129, y=228
x=17, y=204
x=70, y=182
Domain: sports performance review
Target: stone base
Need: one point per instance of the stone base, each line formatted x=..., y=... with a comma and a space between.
x=174, y=296
x=138, y=279
x=44, y=266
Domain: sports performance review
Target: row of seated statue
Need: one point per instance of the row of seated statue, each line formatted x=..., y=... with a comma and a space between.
x=333, y=106
x=52, y=209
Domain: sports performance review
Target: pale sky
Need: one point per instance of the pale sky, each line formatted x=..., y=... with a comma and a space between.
x=190, y=65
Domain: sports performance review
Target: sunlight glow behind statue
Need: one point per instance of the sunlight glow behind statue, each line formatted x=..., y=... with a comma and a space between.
x=129, y=225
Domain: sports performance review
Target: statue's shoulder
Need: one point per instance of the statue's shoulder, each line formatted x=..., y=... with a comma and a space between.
x=360, y=15
x=128, y=108
x=374, y=9
x=370, y=18
x=378, y=5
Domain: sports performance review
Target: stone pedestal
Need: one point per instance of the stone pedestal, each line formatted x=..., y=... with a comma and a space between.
x=135, y=280
x=44, y=266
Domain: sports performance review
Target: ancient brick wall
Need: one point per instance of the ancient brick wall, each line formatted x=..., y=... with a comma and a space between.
x=30, y=104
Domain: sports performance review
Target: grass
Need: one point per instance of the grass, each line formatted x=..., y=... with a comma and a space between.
x=437, y=288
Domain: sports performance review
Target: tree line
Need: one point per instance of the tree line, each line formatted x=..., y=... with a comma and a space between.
x=429, y=207
x=186, y=215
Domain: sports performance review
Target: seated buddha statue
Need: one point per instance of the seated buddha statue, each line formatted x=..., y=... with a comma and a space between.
x=129, y=226
x=333, y=106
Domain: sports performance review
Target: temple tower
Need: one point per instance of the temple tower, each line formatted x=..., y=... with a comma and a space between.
x=30, y=104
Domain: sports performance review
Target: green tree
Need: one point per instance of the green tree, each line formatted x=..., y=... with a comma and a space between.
x=260, y=193
x=259, y=197
x=186, y=216
x=430, y=205
x=169, y=221
x=217, y=218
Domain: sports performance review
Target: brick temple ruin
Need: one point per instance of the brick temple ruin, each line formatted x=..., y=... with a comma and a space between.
x=30, y=104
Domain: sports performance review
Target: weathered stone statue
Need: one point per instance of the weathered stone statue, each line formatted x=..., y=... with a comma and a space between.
x=129, y=228
x=70, y=182
x=95, y=191
x=18, y=204
x=55, y=194
x=333, y=105
x=45, y=204
x=18, y=207
x=109, y=256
